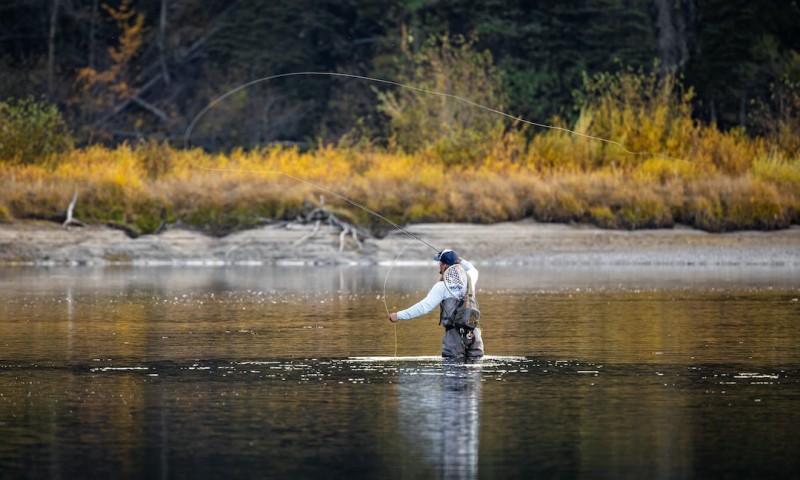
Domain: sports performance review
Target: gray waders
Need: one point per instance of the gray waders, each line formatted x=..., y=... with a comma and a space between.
x=458, y=342
x=462, y=343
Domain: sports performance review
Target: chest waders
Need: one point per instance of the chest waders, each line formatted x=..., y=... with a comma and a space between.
x=462, y=315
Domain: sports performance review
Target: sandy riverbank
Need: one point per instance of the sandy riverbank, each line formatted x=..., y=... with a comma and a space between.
x=523, y=243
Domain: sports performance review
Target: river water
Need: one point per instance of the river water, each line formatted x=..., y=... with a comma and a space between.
x=294, y=372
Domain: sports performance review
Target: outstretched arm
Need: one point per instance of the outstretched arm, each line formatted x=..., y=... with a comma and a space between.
x=435, y=296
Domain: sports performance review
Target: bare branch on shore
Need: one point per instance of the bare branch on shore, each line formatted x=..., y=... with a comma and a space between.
x=70, y=219
x=308, y=235
x=317, y=215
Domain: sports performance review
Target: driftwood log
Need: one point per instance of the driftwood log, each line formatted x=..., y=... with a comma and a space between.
x=321, y=214
x=70, y=220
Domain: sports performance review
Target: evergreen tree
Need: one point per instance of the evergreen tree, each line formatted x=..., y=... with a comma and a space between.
x=725, y=65
x=739, y=57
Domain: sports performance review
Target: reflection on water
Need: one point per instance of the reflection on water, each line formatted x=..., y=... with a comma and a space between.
x=438, y=414
x=290, y=372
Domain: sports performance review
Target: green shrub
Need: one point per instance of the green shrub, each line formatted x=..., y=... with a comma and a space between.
x=30, y=131
x=447, y=127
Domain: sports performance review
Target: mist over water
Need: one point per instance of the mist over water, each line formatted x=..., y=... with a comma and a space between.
x=287, y=371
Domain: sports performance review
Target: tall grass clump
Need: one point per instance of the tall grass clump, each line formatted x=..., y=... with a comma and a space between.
x=112, y=187
x=777, y=168
x=603, y=198
x=784, y=174
x=156, y=159
x=721, y=204
x=31, y=191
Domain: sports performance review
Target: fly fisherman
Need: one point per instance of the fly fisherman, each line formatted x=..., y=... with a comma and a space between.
x=458, y=307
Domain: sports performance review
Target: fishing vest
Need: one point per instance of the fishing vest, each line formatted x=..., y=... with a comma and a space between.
x=455, y=313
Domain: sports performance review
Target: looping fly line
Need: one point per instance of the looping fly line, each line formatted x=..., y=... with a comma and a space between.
x=188, y=133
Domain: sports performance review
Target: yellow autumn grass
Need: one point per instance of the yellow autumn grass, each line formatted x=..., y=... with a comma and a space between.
x=711, y=180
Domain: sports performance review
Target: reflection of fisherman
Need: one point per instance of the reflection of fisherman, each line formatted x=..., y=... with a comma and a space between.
x=443, y=425
x=458, y=341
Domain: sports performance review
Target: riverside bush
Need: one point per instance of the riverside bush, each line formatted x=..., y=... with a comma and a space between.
x=116, y=187
x=722, y=204
x=646, y=113
x=446, y=127
x=695, y=175
x=31, y=131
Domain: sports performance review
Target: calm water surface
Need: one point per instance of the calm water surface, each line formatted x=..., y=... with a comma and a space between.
x=270, y=372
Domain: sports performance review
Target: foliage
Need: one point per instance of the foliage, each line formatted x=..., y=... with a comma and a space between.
x=635, y=157
x=129, y=70
x=448, y=127
x=736, y=204
x=644, y=112
x=157, y=159
x=104, y=89
x=778, y=118
x=30, y=131
x=743, y=49
x=143, y=188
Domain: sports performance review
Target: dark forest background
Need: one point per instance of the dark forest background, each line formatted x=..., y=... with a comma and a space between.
x=142, y=69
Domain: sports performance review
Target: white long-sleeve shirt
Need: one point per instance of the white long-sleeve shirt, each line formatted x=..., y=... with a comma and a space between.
x=437, y=294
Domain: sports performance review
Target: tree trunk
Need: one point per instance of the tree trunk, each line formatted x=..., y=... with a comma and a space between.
x=162, y=33
x=712, y=112
x=743, y=109
x=676, y=25
x=51, y=48
x=666, y=36
x=687, y=29
x=92, y=42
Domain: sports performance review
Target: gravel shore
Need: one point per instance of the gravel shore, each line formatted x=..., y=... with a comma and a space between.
x=517, y=243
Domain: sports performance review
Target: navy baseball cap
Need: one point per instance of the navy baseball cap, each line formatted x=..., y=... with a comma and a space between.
x=446, y=256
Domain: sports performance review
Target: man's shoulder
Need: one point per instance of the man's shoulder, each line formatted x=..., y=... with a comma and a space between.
x=439, y=287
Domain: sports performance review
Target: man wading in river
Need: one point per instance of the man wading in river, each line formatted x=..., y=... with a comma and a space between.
x=455, y=295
